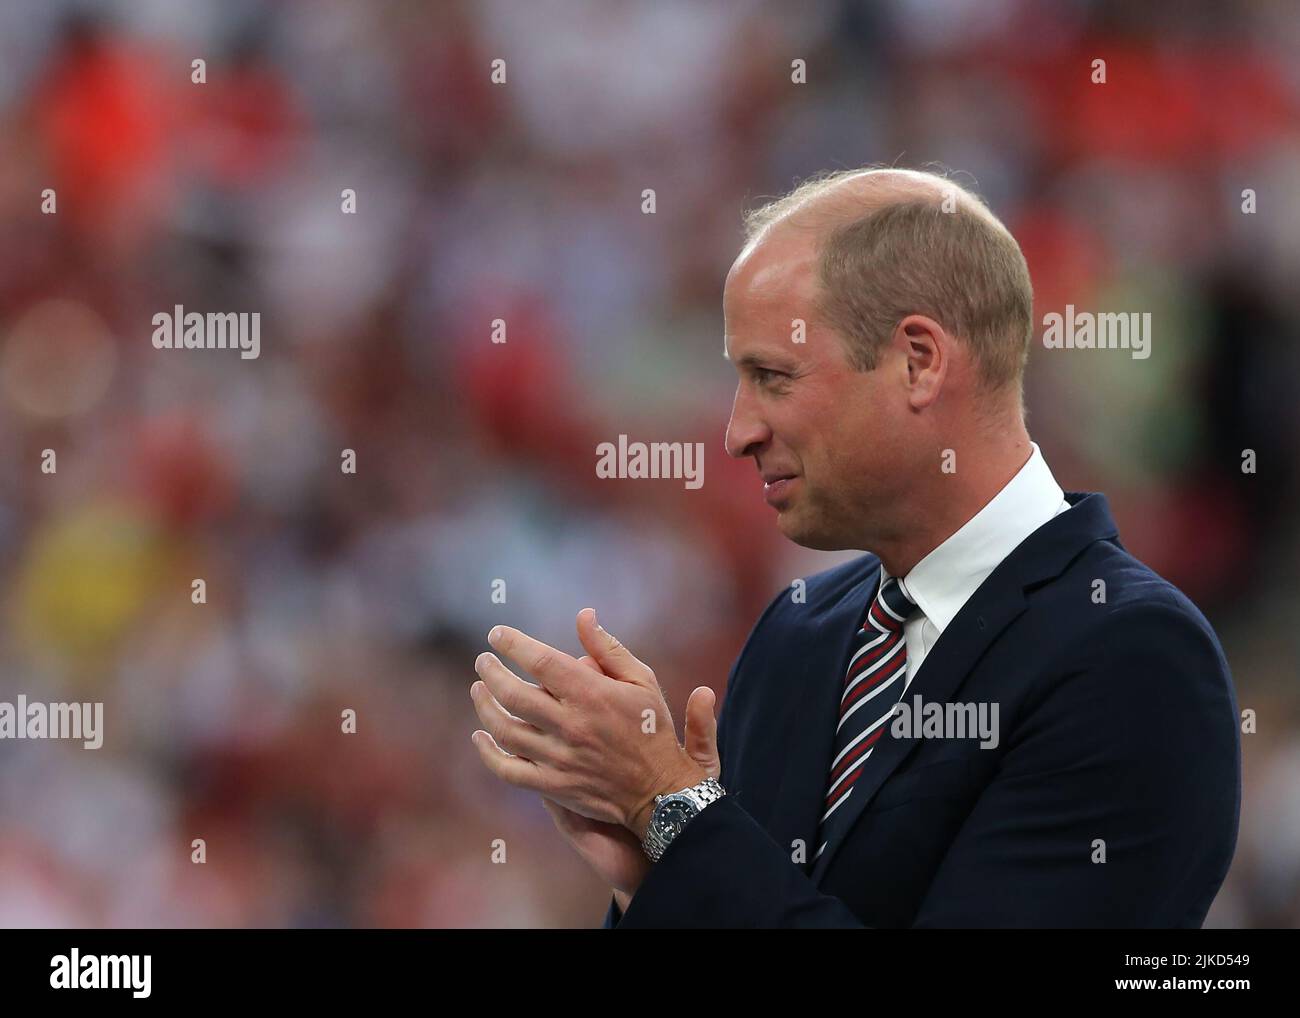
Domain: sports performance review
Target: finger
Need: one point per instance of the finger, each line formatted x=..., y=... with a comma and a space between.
x=614, y=659
x=701, y=739
x=516, y=737
x=589, y=661
x=553, y=669
x=519, y=698
x=513, y=770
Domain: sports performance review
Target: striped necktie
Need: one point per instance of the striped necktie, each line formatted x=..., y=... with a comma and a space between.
x=873, y=685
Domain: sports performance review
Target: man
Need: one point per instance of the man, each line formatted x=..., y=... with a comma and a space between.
x=1079, y=760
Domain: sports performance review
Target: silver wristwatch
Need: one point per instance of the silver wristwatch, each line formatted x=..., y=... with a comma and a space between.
x=674, y=811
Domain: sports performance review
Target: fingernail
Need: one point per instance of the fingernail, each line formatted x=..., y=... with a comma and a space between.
x=495, y=635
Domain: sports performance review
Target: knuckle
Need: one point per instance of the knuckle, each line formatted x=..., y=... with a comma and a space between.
x=497, y=729
x=504, y=699
x=511, y=699
x=563, y=756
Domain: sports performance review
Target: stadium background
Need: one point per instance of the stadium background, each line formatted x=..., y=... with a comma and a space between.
x=476, y=461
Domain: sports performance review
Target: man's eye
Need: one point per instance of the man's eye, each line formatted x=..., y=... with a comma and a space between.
x=765, y=375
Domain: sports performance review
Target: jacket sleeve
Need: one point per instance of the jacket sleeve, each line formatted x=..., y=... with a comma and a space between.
x=1133, y=752
x=724, y=870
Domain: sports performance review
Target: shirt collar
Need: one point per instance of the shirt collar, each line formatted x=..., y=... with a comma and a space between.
x=943, y=581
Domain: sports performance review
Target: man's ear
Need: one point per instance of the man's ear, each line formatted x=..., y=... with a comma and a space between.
x=926, y=347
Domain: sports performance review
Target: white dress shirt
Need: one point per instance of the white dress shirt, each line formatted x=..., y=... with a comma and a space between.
x=943, y=581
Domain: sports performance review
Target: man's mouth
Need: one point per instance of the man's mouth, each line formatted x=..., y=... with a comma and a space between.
x=776, y=487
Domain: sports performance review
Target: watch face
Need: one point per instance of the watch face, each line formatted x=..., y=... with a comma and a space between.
x=671, y=815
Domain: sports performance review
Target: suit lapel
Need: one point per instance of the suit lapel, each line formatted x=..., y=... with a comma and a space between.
x=999, y=600
x=807, y=750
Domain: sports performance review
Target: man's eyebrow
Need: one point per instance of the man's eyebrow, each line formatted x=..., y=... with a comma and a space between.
x=755, y=360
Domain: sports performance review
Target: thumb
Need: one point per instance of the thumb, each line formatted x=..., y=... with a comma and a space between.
x=609, y=654
x=563, y=817
x=702, y=731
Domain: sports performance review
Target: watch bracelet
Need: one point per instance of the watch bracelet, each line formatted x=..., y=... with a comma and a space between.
x=703, y=794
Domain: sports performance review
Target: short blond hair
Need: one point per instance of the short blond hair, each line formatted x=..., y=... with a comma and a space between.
x=935, y=250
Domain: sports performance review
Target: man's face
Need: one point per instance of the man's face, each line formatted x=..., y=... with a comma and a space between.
x=827, y=439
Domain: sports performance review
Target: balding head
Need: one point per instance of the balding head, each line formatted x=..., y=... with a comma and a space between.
x=832, y=199
x=890, y=243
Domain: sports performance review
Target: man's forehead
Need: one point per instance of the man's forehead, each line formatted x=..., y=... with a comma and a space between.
x=774, y=278
x=772, y=271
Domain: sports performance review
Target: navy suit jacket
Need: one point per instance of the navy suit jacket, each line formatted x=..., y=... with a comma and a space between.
x=1112, y=797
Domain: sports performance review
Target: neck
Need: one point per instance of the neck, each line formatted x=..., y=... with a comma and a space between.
x=983, y=467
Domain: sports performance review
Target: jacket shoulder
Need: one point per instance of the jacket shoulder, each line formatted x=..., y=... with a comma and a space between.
x=824, y=590
x=1128, y=592
x=799, y=608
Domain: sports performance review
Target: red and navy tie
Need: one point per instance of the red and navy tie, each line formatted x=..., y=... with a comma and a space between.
x=873, y=685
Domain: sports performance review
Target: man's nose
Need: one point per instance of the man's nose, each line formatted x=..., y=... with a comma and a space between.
x=746, y=432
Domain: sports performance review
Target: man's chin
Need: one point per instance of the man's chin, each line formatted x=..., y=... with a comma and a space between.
x=796, y=527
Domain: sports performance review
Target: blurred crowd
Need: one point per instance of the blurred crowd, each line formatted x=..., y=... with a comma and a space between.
x=329, y=591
